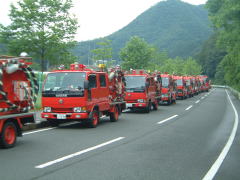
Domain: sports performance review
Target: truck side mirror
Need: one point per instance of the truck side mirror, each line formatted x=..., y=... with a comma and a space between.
x=86, y=84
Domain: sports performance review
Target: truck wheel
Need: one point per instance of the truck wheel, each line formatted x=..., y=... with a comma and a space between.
x=155, y=105
x=94, y=119
x=9, y=135
x=114, y=115
x=148, y=108
x=53, y=122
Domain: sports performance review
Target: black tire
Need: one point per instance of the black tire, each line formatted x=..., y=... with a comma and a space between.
x=53, y=122
x=8, y=136
x=114, y=115
x=148, y=108
x=93, y=120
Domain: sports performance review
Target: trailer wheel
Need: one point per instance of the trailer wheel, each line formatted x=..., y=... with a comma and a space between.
x=9, y=135
x=114, y=115
x=94, y=119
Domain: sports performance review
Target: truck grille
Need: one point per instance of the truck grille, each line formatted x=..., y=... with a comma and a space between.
x=62, y=110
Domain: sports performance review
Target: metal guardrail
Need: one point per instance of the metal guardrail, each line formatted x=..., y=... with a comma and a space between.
x=233, y=91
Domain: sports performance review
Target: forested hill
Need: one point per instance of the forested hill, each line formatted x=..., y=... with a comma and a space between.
x=174, y=26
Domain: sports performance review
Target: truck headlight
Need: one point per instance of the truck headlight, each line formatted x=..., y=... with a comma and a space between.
x=77, y=109
x=140, y=100
x=47, y=109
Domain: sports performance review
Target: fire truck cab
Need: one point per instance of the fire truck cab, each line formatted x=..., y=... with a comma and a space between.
x=141, y=90
x=82, y=94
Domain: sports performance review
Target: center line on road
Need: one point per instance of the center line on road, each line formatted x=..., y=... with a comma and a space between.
x=214, y=169
x=189, y=107
x=78, y=153
x=197, y=101
x=202, y=97
x=165, y=120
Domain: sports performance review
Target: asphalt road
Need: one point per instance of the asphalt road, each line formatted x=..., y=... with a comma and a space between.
x=181, y=141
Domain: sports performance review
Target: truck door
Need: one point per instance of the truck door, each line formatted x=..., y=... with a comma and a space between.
x=103, y=92
x=92, y=94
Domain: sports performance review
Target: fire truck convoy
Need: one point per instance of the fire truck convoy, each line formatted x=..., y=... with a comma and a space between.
x=18, y=92
x=82, y=94
x=143, y=91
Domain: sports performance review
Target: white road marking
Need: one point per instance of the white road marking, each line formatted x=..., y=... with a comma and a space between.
x=78, y=153
x=189, y=107
x=213, y=170
x=47, y=129
x=202, y=97
x=197, y=101
x=165, y=120
x=41, y=130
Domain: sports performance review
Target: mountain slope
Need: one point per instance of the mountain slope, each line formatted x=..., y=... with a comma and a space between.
x=174, y=26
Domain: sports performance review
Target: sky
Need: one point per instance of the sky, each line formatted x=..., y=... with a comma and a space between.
x=99, y=18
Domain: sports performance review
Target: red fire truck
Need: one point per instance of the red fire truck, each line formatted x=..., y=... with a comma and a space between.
x=18, y=89
x=82, y=94
x=181, y=87
x=143, y=90
x=169, y=93
x=189, y=84
x=196, y=85
x=206, y=83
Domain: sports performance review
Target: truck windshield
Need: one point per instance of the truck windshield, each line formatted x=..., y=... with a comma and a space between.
x=64, y=84
x=165, y=82
x=135, y=83
x=179, y=82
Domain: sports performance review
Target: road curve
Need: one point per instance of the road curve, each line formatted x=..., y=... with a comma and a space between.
x=181, y=141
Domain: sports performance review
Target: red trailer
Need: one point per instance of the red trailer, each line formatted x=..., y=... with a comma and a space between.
x=82, y=94
x=18, y=92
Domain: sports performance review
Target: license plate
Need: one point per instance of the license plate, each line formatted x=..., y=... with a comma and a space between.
x=61, y=116
x=129, y=105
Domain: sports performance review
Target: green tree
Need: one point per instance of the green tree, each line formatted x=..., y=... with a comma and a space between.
x=43, y=28
x=224, y=15
x=104, y=52
x=210, y=56
x=136, y=54
x=180, y=66
x=219, y=75
x=191, y=67
x=158, y=59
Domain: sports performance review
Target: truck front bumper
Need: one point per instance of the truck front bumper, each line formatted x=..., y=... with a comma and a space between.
x=65, y=115
x=136, y=105
x=164, y=98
